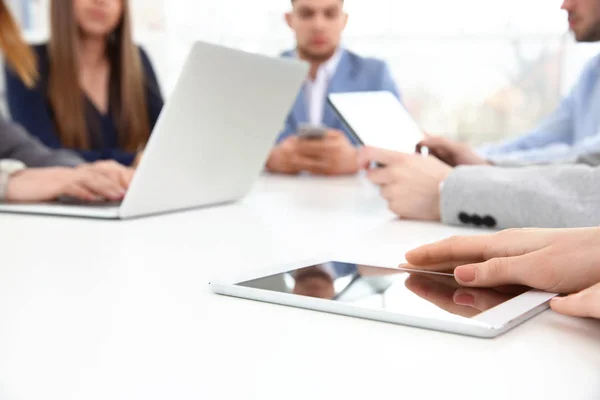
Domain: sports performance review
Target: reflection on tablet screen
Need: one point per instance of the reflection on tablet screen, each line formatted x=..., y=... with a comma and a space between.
x=411, y=293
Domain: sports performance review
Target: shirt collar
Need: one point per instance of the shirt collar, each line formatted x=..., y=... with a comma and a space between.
x=330, y=66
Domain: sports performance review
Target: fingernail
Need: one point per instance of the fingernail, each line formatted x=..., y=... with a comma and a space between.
x=464, y=299
x=465, y=274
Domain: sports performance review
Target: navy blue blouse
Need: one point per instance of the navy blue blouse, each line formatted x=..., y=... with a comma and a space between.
x=31, y=109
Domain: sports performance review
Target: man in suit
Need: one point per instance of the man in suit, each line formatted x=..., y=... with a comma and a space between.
x=552, y=196
x=30, y=172
x=571, y=131
x=318, y=26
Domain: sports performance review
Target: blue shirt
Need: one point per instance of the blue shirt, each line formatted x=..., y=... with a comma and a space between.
x=31, y=109
x=572, y=130
x=353, y=74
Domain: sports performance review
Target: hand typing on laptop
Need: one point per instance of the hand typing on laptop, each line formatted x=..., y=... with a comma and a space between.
x=332, y=155
x=102, y=181
x=114, y=170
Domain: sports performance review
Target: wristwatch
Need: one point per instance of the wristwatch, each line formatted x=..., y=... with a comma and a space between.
x=8, y=168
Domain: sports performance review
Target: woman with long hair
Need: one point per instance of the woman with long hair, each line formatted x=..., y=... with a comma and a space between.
x=55, y=173
x=97, y=92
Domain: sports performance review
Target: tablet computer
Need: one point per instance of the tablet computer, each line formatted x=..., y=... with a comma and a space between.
x=377, y=119
x=420, y=299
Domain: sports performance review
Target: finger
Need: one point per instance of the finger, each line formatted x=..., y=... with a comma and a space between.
x=439, y=147
x=443, y=155
x=389, y=192
x=334, y=134
x=102, y=186
x=312, y=148
x=363, y=160
x=435, y=142
x=508, y=243
x=585, y=304
x=456, y=248
x=111, y=174
x=521, y=270
x=80, y=192
x=446, y=267
x=311, y=165
x=114, y=171
x=382, y=156
x=127, y=177
x=481, y=299
x=429, y=141
x=123, y=177
x=384, y=176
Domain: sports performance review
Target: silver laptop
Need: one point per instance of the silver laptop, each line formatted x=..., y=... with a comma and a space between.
x=211, y=140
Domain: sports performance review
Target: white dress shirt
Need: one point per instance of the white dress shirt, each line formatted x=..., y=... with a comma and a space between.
x=316, y=91
x=8, y=167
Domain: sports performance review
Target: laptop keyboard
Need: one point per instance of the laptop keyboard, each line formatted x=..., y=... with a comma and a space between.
x=71, y=201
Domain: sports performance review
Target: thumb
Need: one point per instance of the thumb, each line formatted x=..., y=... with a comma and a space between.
x=584, y=304
x=363, y=158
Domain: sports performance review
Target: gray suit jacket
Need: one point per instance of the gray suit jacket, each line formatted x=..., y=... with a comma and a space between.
x=16, y=143
x=553, y=196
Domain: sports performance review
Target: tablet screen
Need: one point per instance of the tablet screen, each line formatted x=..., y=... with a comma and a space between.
x=422, y=294
x=377, y=119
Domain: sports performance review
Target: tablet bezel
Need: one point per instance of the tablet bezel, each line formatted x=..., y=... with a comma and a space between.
x=488, y=324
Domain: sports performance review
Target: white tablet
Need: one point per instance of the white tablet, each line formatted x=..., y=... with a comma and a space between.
x=426, y=300
x=377, y=119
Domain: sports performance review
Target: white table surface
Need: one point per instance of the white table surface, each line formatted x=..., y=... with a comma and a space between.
x=122, y=310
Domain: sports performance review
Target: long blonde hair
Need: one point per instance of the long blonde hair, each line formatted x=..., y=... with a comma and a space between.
x=127, y=82
x=19, y=55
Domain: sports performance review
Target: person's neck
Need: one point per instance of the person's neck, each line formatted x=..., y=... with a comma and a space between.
x=315, y=64
x=92, y=51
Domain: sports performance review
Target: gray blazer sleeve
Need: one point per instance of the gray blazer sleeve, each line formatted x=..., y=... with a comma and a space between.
x=555, y=196
x=17, y=144
x=589, y=159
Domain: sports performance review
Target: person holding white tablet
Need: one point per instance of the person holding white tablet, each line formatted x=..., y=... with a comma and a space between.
x=555, y=260
x=318, y=27
x=568, y=133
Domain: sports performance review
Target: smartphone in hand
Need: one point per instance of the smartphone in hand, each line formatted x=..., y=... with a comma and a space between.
x=312, y=132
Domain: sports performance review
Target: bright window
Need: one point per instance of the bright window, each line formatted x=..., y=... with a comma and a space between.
x=480, y=70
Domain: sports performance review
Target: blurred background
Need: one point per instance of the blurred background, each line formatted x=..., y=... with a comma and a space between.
x=476, y=79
